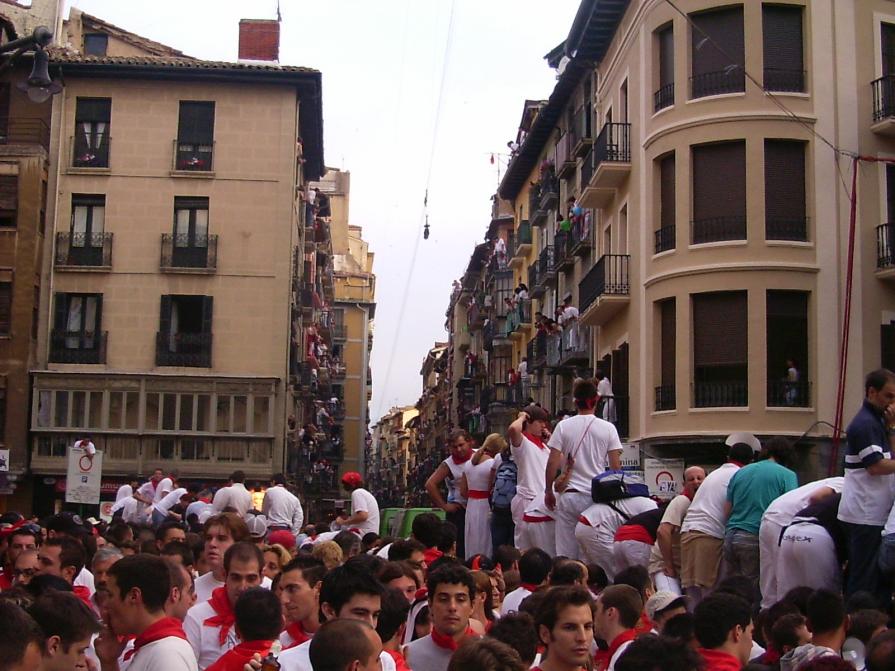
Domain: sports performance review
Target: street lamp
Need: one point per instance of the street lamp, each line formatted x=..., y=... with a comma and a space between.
x=39, y=87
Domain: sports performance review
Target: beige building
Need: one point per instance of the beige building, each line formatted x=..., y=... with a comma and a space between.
x=172, y=261
x=393, y=438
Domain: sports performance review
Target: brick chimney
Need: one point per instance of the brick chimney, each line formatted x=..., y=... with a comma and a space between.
x=259, y=40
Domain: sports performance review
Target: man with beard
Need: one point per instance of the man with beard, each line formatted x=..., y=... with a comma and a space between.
x=565, y=626
x=299, y=592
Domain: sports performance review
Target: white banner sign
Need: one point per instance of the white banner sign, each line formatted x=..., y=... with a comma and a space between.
x=664, y=477
x=4, y=461
x=630, y=457
x=84, y=476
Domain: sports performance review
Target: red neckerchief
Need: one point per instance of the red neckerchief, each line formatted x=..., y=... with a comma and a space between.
x=617, y=642
x=447, y=642
x=238, y=657
x=645, y=625
x=298, y=634
x=535, y=439
x=463, y=460
x=204, y=499
x=400, y=662
x=164, y=628
x=224, y=616
x=716, y=660
x=530, y=586
x=83, y=593
x=736, y=463
x=431, y=554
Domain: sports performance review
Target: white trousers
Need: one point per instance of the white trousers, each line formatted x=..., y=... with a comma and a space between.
x=596, y=548
x=768, y=549
x=663, y=583
x=521, y=538
x=569, y=506
x=630, y=553
x=807, y=557
x=543, y=535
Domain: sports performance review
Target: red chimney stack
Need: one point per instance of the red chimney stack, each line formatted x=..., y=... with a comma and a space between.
x=259, y=40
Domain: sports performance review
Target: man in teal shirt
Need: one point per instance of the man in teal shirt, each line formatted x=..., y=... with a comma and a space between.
x=750, y=492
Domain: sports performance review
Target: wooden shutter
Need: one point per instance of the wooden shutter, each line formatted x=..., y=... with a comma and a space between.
x=9, y=192
x=725, y=28
x=60, y=311
x=164, y=319
x=719, y=180
x=196, y=122
x=782, y=37
x=668, y=342
x=887, y=346
x=666, y=55
x=720, y=329
x=93, y=109
x=784, y=180
x=5, y=307
x=666, y=191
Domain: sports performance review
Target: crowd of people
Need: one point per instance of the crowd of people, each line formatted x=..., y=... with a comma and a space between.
x=547, y=556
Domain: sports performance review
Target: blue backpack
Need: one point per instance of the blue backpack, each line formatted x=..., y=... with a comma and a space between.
x=504, y=485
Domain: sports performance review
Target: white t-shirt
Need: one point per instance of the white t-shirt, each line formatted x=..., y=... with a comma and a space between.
x=299, y=659
x=531, y=464
x=784, y=508
x=361, y=499
x=283, y=509
x=589, y=440
x=85, y=579
x=235, y=496
x=706, y=512
x=167, y=654
x=605, y=521
x=123, y=492
x=133, y=511
x=203, y=639
x=513, y=600
x=453, y=480
x=169, y=501
x=164, y=488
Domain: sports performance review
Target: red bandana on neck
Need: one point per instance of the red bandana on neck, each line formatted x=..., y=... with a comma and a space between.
x=238, y=657
x=535, y=439
x=448, y=642
x=461, y=460
x=736, y=463
x=617, y=642
x=530, y=586
x=164, y=628
x=224, y=616
x=83, y=593
x=431, y=554
x=400, y=662
x=298, y=634
x=720, y=661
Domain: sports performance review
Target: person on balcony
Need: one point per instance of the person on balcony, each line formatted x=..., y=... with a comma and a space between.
x=500, y=251
x=568, y=318
x=521, y=293
x=605, y=398
x=791, y=383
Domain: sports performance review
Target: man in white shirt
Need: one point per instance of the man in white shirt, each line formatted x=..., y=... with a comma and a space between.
x=586, y=446
x=281, y=507
x=139, y=587
x=702, y=533
x=162, y=512
x=596, y=527
x=146, y=491
x=605, y=398
x=133, y=483
x=134, y=511
x=364, y=507
x=527, y=436
x=209, y=625
x=534, y=568
x=617, y=613
x=450, y=471
x=221, y=532
x=235, y=497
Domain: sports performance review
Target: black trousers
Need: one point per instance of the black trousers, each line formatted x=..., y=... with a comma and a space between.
x=458, y=519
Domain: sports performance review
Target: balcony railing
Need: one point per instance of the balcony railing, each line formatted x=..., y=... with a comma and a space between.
x=731, y=394
x=84, y=250
x=549, y=190
x=665, y=239
x=581, y=237
x=90, y=150
x=523, y=238
x=189, y=252
x=883, y=97
x=732, y=80
x=718, y=229
x=608, y=277
x=613, y=144
x=778, y=228
x=534, y=203
x=537, y=354
x=193, y=157
x=517, y=317
x=554, y=350
x=339, y=331
x=581, y=132
x=885, y=246
x=533, y=279
x=785, y=81
x=26, y=131
x=665, y=398
x=565, y=157
x=78, y=346
x=562, y=250
x=664, y=97
x=183, y=349
x=546, y=265
x=587, y=166
x=575, y=344
x=784, y=394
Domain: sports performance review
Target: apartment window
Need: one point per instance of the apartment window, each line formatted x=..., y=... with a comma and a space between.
x=784, y=190
x=5, y=308
x=720, y=349
x=665, y=392
x=190, y=248
x=87, y=230
x=719, y=192
x=715, y=72
x=784, y=64
x=195, y=136
x=665, y=235
x=787, y=346
x=76, y=335
x=664, y=95
x=96, y=44
x=9, y=200
x=93, y=118
x=184, y=337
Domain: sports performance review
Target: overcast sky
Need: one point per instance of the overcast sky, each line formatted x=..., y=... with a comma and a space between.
x=382, y=63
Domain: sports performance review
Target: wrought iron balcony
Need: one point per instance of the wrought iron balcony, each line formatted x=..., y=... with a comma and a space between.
x=665, y=238
x=784, y=394
x=183, y=349
x=562, y=250
x=784, y=81
x=575, y=345
x=549, y=190
x=537, y=351
x=612, y=165
x=535, y=214
x=565, y=157
x=546, y=266
x=731, y=80
x=90, y=150
x=189, y=253
x=554, y=350
x=26, y=131
x=885, y=247
x=605, y=289
x=192, y=157
x=522, y=241
x=87, y=347
x=84, y=250
x=730, y=394
x=779, y=228
x=581, y=237
x=665, y=398
x=664, y=97
x=718, y=229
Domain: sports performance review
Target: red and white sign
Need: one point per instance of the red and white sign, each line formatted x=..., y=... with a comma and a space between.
x=664, y=477
x=85, y=473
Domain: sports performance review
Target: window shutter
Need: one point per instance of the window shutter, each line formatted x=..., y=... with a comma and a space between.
x=887, y=39
x=666, y=191
x=60, y=312
x=782, y=36
x=196, y=123
x=5, y=307
x=724, y=27
x=93, y=109
x=164, y=320
x=666, y=56
x=887, y=346
x=207, y=304
x=668, y=343
x=9, y=192
x=784, y=180
x=720, y=330
x=719, y=180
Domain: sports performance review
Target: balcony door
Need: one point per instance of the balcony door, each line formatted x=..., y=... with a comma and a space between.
x=91, y=139
x=720, y=349
x=190, y=233
x=88, y=217
x=185, y=331
x=77, y=321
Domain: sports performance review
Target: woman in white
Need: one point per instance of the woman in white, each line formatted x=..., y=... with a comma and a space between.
x=476, y=484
